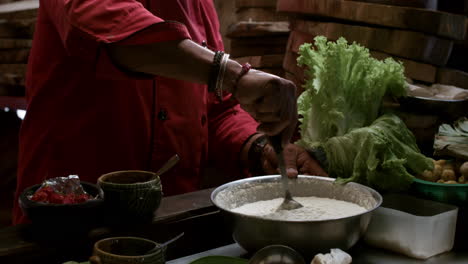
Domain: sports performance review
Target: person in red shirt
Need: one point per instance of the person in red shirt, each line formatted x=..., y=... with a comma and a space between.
x=121, y=85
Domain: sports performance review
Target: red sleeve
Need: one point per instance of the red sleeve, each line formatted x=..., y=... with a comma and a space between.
x=229, y=128
x=85, y=26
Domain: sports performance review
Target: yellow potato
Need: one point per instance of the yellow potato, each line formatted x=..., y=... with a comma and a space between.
x=464, y=169
x=448, y=166
x=437, y=171
x=440, y=181
x=461, y=179
x=450, y=182
x=448, y=175
x=440, y=162
x=428, y=175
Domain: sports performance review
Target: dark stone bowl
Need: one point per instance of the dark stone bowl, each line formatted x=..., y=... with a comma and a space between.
x=63, y=220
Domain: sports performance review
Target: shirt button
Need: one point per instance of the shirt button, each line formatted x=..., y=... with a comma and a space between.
x=203, y=120
x=162, y=115
x=203, y=43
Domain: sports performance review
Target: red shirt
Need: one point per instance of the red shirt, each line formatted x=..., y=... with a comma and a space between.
x=87, y=117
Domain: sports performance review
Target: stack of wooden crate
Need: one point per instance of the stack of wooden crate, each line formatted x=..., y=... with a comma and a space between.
x=259, y=35
x=431, y=44
x=411, y=31
x=17, y=20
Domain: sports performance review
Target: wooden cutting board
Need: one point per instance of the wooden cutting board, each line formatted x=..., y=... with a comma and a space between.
x=453, y=77
x=259, y=14
x=414, y=70
x=10, y=90
x=11, y=79
x=459, y=56
x=454, y=6
x=265, y=61
x=401, y=43
x=433, y=22
x=290, y=65
x=18, y=69
x=242, y=47
x=20, y=28
x=427, y=4
x=15, y=43
x=19, y=10
x=14, y=56
x=293, y=72
x=252, y=29
x=255, y=3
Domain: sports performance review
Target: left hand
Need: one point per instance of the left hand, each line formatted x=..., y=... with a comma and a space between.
x=296, y=159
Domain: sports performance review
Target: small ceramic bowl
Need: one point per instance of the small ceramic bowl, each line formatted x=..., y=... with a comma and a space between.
x=129, y=250
x=131, y=196
x=63, y=219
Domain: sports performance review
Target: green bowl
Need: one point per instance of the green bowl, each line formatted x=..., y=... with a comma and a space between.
x=456, y=194
x=220, y=260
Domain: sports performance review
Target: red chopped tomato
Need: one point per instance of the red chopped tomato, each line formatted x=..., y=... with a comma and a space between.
x=56, y=198
x=40, y=197
x=69, y=199
x=46, y=189
x=82, y=198
x=47, y=194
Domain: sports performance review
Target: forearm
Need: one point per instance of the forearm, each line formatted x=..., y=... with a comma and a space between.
x=182, y=60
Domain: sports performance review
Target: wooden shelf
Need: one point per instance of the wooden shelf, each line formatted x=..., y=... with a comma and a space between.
x=13, y=102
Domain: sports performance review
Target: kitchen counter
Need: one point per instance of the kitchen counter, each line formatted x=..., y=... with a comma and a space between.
x=361, y=254
x=205, y=235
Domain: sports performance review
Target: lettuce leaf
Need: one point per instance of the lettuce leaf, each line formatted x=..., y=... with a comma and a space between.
x=345, y=88
x=383, y=155
x=340, y=111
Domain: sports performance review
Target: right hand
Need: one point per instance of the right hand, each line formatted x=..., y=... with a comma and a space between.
x=297, y=161
x=271, y=100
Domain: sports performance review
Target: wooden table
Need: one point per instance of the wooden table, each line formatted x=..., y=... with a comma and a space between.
x=205, y=234
x=192, y=213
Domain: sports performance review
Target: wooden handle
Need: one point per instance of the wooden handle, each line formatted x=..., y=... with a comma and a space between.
x=95, y=260
x=276, y=143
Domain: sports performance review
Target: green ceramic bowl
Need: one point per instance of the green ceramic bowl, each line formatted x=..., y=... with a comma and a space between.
x=130, y=196
x=219, y=260
x=456, y=194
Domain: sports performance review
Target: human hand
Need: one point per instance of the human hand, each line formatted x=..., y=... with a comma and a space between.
x=296, y=159
x=271, y=100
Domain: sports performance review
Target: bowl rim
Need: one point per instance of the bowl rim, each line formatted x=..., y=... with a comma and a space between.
x=156, y=244
x=23, y=194
x=277, y=176
x=440, y=184
x=155, y=177
x=434, y=99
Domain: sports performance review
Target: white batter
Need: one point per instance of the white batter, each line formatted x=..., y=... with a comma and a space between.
x=314, y=208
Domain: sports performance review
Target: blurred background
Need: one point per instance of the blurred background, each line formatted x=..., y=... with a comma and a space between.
x=427, y=36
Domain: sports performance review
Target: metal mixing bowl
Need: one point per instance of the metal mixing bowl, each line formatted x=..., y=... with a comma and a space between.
x=308, y=237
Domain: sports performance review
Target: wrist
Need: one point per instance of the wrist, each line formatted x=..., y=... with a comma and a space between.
x=225, y=74
x=233, y=71
x=255, y=155
x=320, y=155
